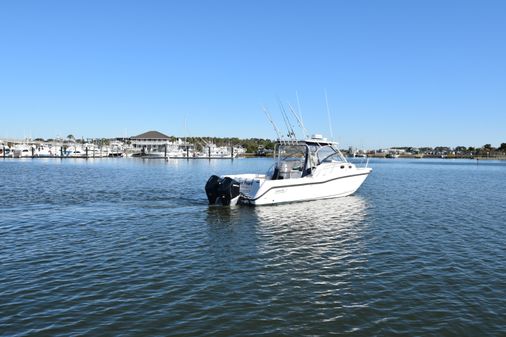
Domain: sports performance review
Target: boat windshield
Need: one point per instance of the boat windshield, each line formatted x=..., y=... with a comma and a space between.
x=297, y=160
x=292, y=152
x=327, y=154
x=290, y=161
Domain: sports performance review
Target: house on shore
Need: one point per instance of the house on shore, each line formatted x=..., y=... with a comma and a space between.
x=150, y=142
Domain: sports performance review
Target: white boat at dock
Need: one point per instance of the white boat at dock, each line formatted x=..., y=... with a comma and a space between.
x=46, y=151
x=212, y=151
x=116, y=149
x=5, y=150
x=74, y=151
x=23, y=151
x=303, y=170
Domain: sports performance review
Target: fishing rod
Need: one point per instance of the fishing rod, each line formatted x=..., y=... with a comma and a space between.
x=269, y=117
x=289, y=127
x=299, y=121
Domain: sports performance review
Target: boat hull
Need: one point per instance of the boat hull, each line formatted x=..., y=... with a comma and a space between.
x=269, y=192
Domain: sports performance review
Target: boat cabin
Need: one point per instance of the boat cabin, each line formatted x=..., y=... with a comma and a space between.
x=299, y=159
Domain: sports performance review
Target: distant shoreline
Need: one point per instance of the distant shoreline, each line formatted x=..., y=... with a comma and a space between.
x=254, y=155
x=440, y=157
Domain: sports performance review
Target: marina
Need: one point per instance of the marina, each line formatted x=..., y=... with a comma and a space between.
x=149, y=145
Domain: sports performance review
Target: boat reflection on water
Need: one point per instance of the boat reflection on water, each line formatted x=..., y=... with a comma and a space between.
x=309, y=228
x=319, y=214
x=316, y=226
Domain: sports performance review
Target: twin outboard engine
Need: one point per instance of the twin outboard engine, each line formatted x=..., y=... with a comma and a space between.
x=222, y=190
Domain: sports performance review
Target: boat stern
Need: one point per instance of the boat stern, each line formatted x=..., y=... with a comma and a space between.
x=233, y=189
x=224, y=191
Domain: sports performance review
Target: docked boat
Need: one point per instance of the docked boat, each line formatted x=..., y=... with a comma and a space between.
x=154, y=155
x=5, y=150
x=74, y=151
x=45, y=151
x=116, y=149
x=303, y=170
x=212, y=151
x=22, y=151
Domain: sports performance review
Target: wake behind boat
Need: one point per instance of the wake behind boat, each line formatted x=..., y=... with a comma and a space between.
x=303, y=170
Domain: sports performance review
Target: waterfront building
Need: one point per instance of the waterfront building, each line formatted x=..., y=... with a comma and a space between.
x=150, y=142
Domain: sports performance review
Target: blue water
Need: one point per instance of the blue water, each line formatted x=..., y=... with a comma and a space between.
x=112, y=247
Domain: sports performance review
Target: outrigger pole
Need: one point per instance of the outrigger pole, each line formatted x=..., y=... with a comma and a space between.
x=269, y=117
x=299, y=110
x=299, y=121
x=291, y=132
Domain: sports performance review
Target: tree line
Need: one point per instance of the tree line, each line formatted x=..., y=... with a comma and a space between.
x=486, y=149
x=250, y=144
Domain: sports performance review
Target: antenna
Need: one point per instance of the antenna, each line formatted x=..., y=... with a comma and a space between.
x=185, y=137
x=298, y=103
x=185, y=130
x=328, y=115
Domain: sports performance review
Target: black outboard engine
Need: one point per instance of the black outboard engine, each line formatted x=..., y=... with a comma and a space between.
x=222, y=190
x=228, y=190
x=212, y=189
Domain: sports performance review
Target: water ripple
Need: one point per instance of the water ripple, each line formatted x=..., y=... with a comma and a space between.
x=126, y=247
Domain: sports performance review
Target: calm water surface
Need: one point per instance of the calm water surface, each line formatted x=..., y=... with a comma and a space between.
x=129, y=247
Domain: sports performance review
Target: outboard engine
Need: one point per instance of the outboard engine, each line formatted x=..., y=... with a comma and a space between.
x=228, y=191
x=212, y=189
x=225, y=191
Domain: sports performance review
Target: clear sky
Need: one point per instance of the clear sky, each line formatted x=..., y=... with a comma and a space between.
x=414, y=73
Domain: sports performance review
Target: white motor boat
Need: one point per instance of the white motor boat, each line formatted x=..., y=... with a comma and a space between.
x=303, y=170
x=116, y=149
x=155, y=155
x=46, y=151
x=212, y=151
x=5, y=151
x=22, y=151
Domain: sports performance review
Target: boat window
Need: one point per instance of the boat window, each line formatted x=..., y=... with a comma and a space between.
x=328, y=154
x=292, y=151
x=291, y=161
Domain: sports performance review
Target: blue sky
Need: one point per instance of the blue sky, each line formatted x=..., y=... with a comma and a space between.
x=414, y=73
